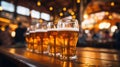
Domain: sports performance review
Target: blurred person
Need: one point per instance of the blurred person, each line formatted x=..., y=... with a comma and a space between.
x=116, y=36
x=107, y=36
x=99, y=36
x=6, y=37
x=90, y=35
x=19, y=38
x=95, y=36
x=82, y=38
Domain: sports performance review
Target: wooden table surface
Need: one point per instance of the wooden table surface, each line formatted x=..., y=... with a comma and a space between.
x=87, y=57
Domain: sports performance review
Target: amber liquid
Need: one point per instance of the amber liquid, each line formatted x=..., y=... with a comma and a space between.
x=42, y=42
x=54, y=45
x=27, y=38
x=32, y=41
x=68, y=40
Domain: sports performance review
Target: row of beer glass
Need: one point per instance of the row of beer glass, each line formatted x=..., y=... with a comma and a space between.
x=57, y=40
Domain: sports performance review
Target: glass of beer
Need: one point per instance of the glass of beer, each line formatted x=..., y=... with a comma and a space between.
x=54, y=45
x=68, y=36
x=31, y=38
x=27, y=38
x=42, y=38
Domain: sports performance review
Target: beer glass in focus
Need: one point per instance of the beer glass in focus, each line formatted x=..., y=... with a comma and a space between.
x=68, y=35
x=54, y=45
x=42, y=38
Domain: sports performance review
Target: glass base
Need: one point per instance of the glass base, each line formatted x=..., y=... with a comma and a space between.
x=52, y=54
x=68, y=58
x=36, y=51
x=45, y=52
x=29, y=50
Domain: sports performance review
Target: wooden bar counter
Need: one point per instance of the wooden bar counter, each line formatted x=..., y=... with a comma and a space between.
x=87, y=57
x=26, y=58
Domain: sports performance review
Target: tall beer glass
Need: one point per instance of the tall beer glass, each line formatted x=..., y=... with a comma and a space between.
x=54, y=45
x=68, y=35
x=32, y=38
x=27, y=38
x=42, y=38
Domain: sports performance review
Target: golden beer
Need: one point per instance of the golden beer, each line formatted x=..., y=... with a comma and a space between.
x=32, y=41
x=27, y=38
x=68, y=40
x=42, y=41
x=54, y=45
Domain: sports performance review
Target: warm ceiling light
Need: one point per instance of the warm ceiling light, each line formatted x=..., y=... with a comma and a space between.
x=13, y=33
x=73, y=16
x=61, y=14
x=64, y=9
x=72, y=13
x=106, y=13
x=110, y=17
x=85, y=16
x=78, y=1
x=112, y=4
x=104, y=25
x=38, y=3
x=1, y=8
x=41, y=20
x=50, y=8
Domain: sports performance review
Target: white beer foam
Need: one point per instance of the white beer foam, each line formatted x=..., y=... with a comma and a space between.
x=53, y=29
x=32, y=31
x=64, y=29
x=68, y=29
x=27, y=33
x=40, y=30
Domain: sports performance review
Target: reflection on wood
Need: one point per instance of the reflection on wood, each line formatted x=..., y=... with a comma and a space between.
x=86, y=57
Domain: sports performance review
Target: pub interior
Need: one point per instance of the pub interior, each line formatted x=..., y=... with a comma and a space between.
x=59, y=33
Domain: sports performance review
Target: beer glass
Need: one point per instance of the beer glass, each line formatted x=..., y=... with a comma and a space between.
x=32, y=38
x=54, y=45
x=68, y=36
x=27, y=38
x=42, y=38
